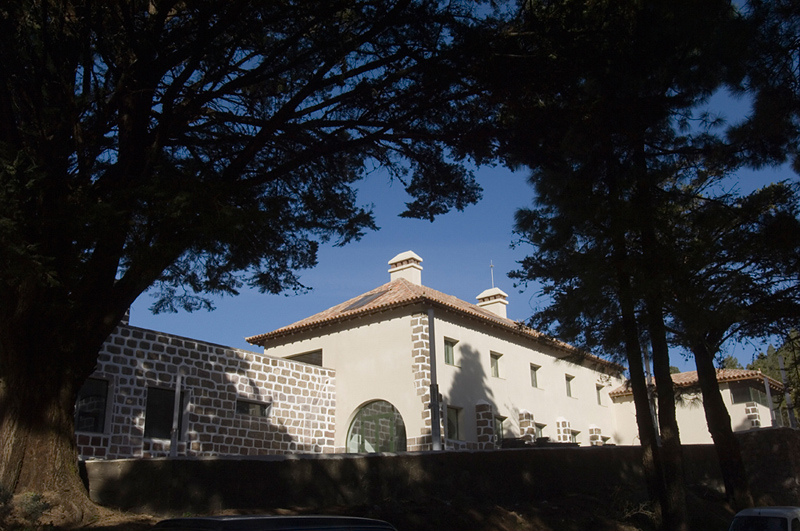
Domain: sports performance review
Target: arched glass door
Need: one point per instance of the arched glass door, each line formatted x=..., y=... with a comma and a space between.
x=377, y=427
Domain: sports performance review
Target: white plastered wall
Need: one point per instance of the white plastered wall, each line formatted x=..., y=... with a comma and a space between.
x=470, y=381
x=691, y=417
x=372, y=357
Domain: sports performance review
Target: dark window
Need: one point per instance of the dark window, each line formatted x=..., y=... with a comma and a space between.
x=742, y=392
x=312, y=358
x=159, y=411
x=255, y=409
x=90, y=407
x=759, y=523
x=454, y=424
x=363, y=301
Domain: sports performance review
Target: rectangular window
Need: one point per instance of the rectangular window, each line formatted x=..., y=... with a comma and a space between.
x=449, y=351
x=313, y=357
x=499, y=430
x=495, y=362
x=573, y=436
x=742, y=392
x=538, y=430
x=535, y=375
x=454, y=424
x=568, y=381
x=599, y=391
x=254, y=409
x=90, y=407
x=159, y=413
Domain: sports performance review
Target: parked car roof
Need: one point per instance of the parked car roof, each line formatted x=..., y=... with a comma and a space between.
x=770, y=511
x=767, y=519
x=273, y=523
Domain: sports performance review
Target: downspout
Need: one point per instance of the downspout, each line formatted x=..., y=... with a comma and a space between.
x=436, y=432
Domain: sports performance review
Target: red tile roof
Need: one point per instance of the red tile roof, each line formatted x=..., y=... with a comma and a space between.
x=401, y=292
x=683, y=380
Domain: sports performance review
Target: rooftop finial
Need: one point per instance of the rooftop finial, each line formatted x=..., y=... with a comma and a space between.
x=491, y=269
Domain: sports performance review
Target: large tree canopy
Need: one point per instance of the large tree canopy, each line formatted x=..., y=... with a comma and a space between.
x=196, y=146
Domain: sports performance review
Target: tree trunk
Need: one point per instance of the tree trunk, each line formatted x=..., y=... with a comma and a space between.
x=37, y=443
x=719, y=425
x=41, y=375
x=677, y=517
x=651, y=458
x=653, y=276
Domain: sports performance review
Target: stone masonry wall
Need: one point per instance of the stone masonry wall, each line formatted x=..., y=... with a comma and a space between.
x=421, y=366
x=292, y=404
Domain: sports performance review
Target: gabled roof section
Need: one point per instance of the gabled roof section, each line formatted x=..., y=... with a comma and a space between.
x=400, y=292
x=684, y=380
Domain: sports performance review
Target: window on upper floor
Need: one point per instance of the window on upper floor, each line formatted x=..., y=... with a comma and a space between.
x=538, y=430
x=450, y=351
x=455, y=423
x=91, y=406
x=313, y=357
x=599, y=392
x=743, y=391
x=495, y=363
x=568, y=382
x=535, y=375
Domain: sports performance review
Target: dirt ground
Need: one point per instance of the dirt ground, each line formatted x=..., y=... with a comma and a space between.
x=570, y=513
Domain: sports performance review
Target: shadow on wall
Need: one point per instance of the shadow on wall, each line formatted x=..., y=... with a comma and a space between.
x=469, y=402
x=252, y=411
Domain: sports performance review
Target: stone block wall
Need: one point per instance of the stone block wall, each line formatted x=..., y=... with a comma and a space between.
x=234, y=402
x=421, y=366
x=527, y=426
x=485, y=423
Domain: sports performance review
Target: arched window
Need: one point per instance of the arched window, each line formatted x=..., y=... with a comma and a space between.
x=377, y=427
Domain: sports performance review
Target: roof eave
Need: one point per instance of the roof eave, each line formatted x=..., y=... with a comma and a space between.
x=516, y=328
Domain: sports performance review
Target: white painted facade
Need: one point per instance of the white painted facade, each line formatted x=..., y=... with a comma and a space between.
x=745, y=413
x=373, y=355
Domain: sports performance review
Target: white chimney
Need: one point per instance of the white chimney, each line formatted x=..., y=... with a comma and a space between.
x=406, y=265
x=494, y=300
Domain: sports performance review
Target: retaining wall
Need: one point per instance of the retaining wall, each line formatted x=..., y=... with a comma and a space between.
x=206, y=485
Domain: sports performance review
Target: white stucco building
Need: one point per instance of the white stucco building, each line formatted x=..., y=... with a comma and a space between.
x=358, y=377
x=497, y=378
x=747, y=395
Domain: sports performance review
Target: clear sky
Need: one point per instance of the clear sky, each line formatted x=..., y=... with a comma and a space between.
x=457, y=250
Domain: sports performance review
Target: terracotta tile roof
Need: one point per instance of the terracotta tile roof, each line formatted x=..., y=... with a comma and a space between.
x=401, y=292
x=683, y=380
